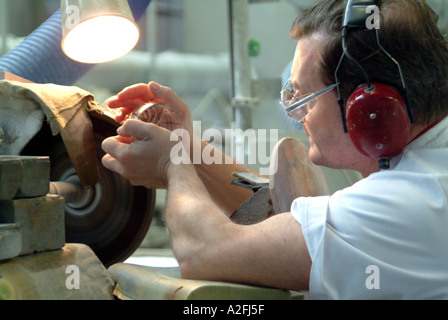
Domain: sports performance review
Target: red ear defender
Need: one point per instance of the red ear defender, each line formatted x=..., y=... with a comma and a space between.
x=377, y=122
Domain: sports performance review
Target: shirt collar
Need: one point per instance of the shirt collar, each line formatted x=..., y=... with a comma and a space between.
x=435, y=137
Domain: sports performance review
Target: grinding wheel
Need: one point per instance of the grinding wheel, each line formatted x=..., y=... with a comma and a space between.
x=113, y=217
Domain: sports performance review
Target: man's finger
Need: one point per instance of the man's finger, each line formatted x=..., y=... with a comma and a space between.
x=129, y=104
x=138, y=129
x=135, y=91
x=112, y=164
x=165, y=94
x=122, y=114
x=115, y=147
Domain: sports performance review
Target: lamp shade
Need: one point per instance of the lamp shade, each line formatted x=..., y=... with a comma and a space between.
x=96, y=31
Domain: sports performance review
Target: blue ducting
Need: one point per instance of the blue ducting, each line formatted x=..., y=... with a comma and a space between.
x=138, y=7
x=290, y=123
x=39, y=57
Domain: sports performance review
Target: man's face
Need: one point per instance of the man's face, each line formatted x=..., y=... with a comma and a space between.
x=329, y=145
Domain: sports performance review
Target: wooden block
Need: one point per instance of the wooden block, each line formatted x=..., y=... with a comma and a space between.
x=147, y=283
x=10, y=177
x=10, y=241
x=41, y=222
x=71, y=273
x=24, y=177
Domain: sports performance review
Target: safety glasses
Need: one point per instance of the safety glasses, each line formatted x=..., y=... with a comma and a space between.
x=300, y=106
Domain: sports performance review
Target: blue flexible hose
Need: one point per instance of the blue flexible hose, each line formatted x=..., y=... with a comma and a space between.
x=290, y=123
x=39, y=57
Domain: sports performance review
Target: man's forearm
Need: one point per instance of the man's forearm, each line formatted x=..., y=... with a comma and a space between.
x=192, y=217
x=217, y=178
x=208, y=246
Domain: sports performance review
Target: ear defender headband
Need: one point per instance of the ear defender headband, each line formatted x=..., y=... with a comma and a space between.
x=377, y=117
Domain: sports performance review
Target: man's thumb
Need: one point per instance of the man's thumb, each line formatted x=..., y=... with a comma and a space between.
x=134, y=128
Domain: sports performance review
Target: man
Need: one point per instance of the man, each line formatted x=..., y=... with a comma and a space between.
x=384, y=237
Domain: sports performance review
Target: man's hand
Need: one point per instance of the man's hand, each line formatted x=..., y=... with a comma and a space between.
x=140, y=153
x=133, y=160
x=137, y=95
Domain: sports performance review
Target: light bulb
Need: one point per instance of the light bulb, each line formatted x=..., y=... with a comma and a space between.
x=100, y=39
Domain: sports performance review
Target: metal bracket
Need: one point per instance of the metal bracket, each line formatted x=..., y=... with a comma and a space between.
x=259, y=206
x=246, y=102
x=249, y=180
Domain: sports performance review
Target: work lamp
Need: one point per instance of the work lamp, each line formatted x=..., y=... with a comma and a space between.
x=96, y=31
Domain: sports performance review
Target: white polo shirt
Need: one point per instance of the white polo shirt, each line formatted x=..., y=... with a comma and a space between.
x=385, y=237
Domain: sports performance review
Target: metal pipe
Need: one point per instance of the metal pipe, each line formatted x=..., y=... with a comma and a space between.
x=74, y=193
x=4, y=25
x=240, y=62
